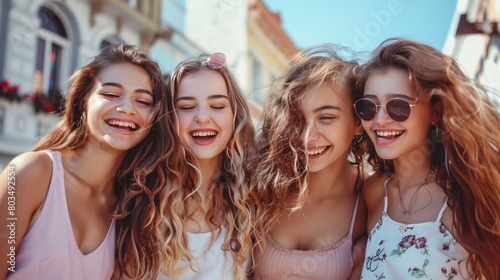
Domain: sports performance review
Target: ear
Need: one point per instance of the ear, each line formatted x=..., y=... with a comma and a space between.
x=437, y=112
x=358, y=130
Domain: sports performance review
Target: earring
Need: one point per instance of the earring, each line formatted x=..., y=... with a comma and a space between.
x=357, y=140
x=437, y=131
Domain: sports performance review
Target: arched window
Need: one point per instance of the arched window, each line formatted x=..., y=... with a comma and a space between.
x=51, y=51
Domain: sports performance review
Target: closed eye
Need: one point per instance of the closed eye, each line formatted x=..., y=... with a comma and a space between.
x=327, y=118
x=144, y=102
x=187, y=107
x=110, y=95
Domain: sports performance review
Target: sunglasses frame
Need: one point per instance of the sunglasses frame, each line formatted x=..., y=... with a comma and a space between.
x=385, y=108
x=216, y=57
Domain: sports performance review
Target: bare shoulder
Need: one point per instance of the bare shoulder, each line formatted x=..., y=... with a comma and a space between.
x=32, y=172
x=23, y=186
x=32, y=164
x=373, y=189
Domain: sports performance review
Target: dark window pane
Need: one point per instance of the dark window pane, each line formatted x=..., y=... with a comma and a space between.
x=51, y=21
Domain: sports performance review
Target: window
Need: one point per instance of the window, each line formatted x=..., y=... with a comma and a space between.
x=51, y=50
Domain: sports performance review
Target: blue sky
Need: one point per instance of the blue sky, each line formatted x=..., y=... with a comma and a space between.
x=363, y=24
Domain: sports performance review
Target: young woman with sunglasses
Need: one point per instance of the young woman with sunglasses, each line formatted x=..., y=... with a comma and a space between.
x=308, y=179
x=206, y=220
x=66, y=190
x=433, y=204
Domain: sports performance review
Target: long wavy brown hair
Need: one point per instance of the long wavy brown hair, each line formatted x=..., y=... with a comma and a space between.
x=281, y=170
x=228, y=194
x=144, y=173
x=466, y=150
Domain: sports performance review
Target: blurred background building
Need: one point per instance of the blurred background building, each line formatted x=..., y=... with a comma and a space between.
x=474, y=40
x=44, y=42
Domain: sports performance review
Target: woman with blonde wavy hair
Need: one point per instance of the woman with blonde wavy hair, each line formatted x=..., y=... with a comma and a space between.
x=308, y=180
x=207, y=232
x=433, y=203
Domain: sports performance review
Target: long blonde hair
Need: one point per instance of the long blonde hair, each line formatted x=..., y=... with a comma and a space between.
x=228, y=194
x=466, y=148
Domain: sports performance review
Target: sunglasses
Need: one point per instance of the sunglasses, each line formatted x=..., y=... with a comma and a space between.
x=216, y=60
x=398, y=109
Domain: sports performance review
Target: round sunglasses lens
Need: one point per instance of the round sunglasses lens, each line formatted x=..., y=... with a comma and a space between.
x=216, y=60
x=398, y=109
x=366, y=109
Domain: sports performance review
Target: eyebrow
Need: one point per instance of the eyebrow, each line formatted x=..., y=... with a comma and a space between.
x=139, y=90
x=215, y=96
x=327, y=107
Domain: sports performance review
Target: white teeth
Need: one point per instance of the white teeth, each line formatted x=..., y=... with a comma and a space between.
x=122, y=123
x=317, y=151
x=389, y=133
x=204, y=133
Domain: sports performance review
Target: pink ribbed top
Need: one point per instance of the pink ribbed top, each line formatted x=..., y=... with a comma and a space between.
x=332, y=262
x=49, y=249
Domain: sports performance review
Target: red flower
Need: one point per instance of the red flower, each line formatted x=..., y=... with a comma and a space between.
x=407, y=241
x=420, y=243
x=49, y=108
x=4, y=84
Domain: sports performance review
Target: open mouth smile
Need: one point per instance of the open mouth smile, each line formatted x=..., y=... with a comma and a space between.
x=130, y=126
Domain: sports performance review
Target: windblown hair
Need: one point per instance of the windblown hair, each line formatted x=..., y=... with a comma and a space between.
x=466, y=151
x=228, y=195
x=282, y=168
x=142, y=176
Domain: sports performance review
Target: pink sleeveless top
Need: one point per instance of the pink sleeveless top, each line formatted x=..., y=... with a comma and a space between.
x=332, y=262
x=49, y=249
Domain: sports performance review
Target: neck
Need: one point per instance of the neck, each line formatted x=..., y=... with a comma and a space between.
x=210, y=172
x=330, y=180
x=407, y=174
x=92, y=166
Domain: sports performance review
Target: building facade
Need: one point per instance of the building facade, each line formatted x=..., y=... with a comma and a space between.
x=46, y=41
x=474, y=40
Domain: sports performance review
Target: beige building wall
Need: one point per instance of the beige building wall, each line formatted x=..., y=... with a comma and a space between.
x=474, y=40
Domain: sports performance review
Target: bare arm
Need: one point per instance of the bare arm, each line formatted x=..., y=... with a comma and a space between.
x=23, y=187
x=358, y=257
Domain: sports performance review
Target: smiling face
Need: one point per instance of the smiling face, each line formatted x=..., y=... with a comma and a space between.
x=330, y=125
x=396, y=139
x=119, y=107
x=205, y=114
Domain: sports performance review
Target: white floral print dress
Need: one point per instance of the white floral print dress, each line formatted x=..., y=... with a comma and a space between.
x=426, y=250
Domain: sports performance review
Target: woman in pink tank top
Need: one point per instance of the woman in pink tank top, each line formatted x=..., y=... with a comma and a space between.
x=307, y=182
x=62, y=195
x=433, y=203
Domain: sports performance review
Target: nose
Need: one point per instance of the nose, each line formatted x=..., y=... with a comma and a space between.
x=202, y=115
x=125, y=106
x=381, y=115
x=312, y=133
